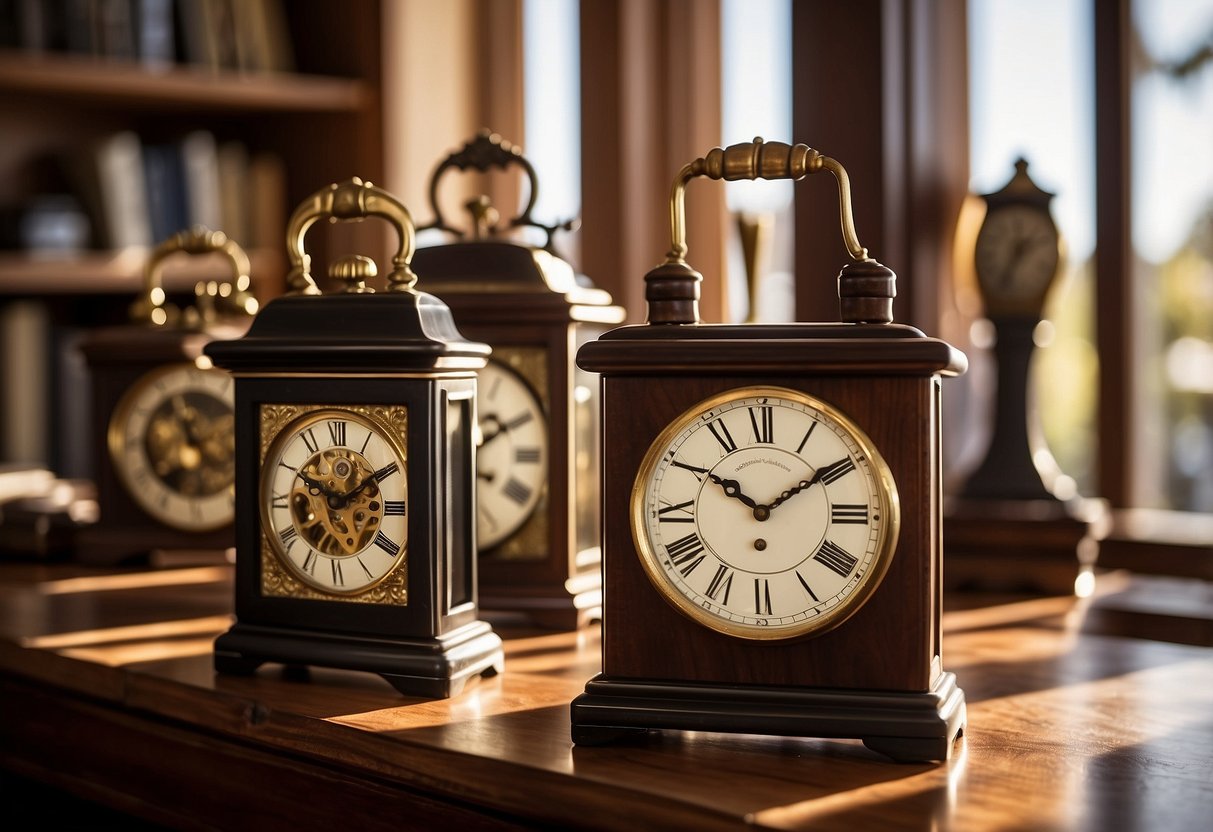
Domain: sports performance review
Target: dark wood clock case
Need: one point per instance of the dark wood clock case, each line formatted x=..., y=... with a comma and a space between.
x=398, y=347
x=527, y=303
x=117, y=357
x=876, y=676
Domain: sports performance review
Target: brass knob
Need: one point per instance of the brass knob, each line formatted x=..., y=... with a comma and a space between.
x=353, y=270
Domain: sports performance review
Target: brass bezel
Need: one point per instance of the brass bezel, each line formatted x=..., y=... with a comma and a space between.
x=281, y=423
x=890, y=506
x=115, y=443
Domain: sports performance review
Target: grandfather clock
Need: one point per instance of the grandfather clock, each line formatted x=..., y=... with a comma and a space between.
x=537, y=464
x=1007, y=527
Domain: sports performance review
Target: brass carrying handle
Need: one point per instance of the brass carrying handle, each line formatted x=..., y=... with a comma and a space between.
x=350, y=201
x=760, y=160
x=485, y=151
x=151, y=308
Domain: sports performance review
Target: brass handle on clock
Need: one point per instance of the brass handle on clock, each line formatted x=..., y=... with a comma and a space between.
x=760, y=160
x=236, y=294
x=485, y=151
x=351, y=200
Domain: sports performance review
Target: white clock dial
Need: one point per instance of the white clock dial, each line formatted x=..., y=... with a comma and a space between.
x=512, y=454
x=1017, y=252
x=172, y=443
x=334, y=500
x=765, y=513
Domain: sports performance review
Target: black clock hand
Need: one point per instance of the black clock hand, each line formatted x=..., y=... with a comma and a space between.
x=732, y=488
x=826, y=473
x=796, y=489
x=486, y=438
x=386, y=470
x=314, y=485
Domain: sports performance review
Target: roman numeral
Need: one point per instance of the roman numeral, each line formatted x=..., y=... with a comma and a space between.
x=762, y=421
x=762, y=596
x=368, y=572
x=806, y=586
x=685, y=548
x=338, y=578
x=309, y=439
x=336, y=432
x=309, y=562
x=721, y=432
x=385, y=472
x=526, y=455
x=835, y=558
x=520, y=420
x=387, y=544
x=393, y=508
x=365, y=442
x=807, y=434
x=690, y=567
x=678, y=507
x=836, y=470
x=698, y=472
x=856, y=513
x=287, y=536
x=721, y=581
x=279, y=501
x=517, y=491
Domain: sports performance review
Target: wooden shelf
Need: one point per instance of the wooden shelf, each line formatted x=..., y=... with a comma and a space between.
x=110, y=694
x=100, y=81
x=119, y=272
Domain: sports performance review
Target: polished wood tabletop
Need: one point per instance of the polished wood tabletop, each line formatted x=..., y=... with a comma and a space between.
x=107, y=691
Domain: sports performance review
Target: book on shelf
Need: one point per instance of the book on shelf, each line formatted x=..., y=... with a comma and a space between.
x=233, y=164
x=111, y=184
x=200, y=162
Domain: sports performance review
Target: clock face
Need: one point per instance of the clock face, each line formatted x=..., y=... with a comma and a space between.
x=512, y=455
x=172, y=443
x=1016, y=252
x=333, y=500
x=765, y=513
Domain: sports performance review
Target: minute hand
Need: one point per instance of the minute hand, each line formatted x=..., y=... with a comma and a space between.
x=826, y=473
x=385, y=471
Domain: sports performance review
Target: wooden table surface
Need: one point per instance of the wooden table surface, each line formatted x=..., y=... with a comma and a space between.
x=107, y=691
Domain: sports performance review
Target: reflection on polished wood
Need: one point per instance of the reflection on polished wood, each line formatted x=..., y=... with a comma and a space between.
x=108, y=691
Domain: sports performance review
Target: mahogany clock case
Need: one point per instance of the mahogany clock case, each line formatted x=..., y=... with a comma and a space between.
x=885, y=378
x=877, y=675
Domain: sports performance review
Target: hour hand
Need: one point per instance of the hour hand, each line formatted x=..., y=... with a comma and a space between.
x=732, y=488
x=313, y=485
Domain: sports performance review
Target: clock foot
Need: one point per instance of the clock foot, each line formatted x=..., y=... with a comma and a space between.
x=432, y=668
x=605, y=735
x=907, y=726
x=913, y=749
x=233, y=664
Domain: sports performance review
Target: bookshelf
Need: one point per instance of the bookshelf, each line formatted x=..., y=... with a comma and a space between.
x=301, y=121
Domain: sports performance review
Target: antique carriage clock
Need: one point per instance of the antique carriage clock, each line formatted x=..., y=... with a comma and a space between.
x=1007, y=529
x=771, y=524
x=537, y=470
x=355, y=412
x=163, y=415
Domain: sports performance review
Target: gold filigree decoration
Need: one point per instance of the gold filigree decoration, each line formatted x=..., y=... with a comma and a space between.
x=276, y=579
